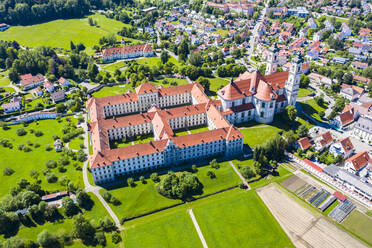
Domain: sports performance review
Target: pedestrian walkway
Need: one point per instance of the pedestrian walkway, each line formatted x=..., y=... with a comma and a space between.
x=197, y=228
x=240, y=175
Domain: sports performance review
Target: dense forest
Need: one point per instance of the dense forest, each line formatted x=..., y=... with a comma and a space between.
x=30, y=11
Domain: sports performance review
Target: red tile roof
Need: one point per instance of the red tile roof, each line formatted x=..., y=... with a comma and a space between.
x=304, y=143
x=346, y=117
x=339, y=196
x=313, y=165
x=359, y=160
x=346, y=144
x=127, y=49
x=262, y=87
x=28, y=79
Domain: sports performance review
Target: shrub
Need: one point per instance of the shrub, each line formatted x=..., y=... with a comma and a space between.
x=38, y=133
x=154, y=177
x=107, y=196
x=48, y=148
x=51, y=164
x=26, y=149
x=21, y=132
x=211, y=174
x=36, y=145
x=51, y=177
x=82, y=145
x=194, y=168
x=115, y=237
x=130, y=181
x=8, y=171
x=142, y=179
x=20, y=147
x=247, y=172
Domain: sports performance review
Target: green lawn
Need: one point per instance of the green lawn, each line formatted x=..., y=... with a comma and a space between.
x=75, y=143
x=59, y=33
x=359, y=224
x=216, y=84
x=4, y=81
x=144, y=198
x=139, y=199
x=9, y=89
x=183, y=132
x=152, y=61
x=173, y=230
x=121, y=89
x=114, y=90
x=112, y=67
x=240, y=220
x=23, y=162
x=258, y=134
x=66, y=225
x=304, y=92
x=282, y=175
x=312, y=108
x=221, y=32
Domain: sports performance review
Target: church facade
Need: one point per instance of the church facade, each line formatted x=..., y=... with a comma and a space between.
x=253, y=96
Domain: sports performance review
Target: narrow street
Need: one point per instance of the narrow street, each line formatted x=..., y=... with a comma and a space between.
x=95, y=189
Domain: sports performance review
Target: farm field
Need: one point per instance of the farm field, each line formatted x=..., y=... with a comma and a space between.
x=305, y=228
x=23, y=162
x=59, y=33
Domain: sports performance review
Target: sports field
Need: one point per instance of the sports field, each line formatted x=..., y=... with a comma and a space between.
x=59, y=33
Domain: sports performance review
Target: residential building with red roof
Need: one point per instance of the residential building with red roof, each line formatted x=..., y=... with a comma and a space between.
x=358, y=164
x=253, y=96
x=344, y=119
x=343, y=147
x=351, y=92
x=304, y=143
x=28, y=81
x=127, y=52
x=323, y=141
x=158, y=119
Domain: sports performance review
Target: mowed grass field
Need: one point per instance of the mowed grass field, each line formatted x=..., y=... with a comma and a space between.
x=240, y=220
x=259, y=134
x=173, y=230
x=23, y=162
x=359, y=224
x=59, y=33
x=144, y=198
x=235, y=218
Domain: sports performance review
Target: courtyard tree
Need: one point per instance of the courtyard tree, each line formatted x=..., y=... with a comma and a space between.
x=69, y=206
x=247, y=172
x=180, y=186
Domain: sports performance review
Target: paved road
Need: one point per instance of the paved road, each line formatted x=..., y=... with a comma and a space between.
x=197, y=228
x=95, y=189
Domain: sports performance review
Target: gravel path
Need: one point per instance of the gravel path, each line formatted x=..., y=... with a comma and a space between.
x=197, y=228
